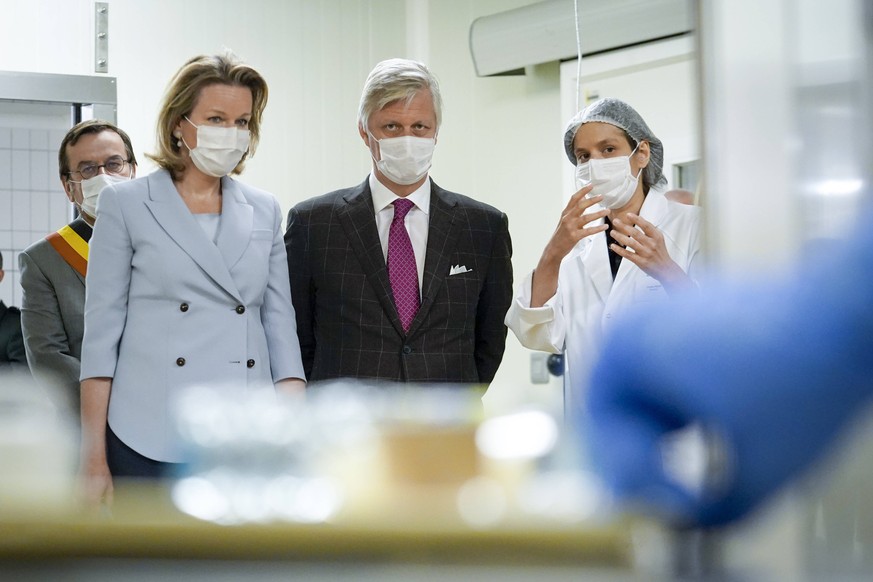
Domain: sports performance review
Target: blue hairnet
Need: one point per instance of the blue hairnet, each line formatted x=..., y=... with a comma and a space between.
x=620, y=114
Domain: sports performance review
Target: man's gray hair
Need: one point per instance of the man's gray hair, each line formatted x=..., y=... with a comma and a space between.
x=397, y=79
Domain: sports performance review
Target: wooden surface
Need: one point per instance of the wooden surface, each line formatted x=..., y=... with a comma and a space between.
x=145, y=524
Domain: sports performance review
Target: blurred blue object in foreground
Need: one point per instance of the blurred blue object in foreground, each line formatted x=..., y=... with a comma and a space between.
x=772, y=373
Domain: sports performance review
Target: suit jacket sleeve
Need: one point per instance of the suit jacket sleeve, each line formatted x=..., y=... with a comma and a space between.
x=11, y=341
x=106, y=289
x=45, y=339
x=299, y=275
x=494, y=302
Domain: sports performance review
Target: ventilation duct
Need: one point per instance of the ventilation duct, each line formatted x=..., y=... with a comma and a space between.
x=506, y=42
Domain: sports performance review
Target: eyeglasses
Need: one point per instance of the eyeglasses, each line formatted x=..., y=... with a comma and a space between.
x=114, y=165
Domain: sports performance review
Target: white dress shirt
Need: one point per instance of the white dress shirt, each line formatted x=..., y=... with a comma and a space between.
x=416, y=221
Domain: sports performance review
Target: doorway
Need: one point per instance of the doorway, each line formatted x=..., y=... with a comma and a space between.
x=36, y=110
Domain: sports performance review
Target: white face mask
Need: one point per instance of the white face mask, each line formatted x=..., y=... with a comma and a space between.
x=612, y=179
x=405, y=160
x=91, y=189
x=219, y=149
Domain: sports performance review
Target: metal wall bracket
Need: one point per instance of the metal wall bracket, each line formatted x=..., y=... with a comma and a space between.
x=101, y=37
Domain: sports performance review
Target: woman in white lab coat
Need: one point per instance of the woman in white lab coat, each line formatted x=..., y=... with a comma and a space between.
x=619, y=243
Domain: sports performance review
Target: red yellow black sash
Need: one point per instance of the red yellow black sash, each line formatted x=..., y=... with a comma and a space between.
x=71, y=242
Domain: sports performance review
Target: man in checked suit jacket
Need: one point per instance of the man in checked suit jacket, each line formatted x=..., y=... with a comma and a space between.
x=53, y=268
x=338, y=255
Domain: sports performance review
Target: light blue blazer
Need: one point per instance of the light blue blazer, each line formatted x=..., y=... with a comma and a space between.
x=167, y=308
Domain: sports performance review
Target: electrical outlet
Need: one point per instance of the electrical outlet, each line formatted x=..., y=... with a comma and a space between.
x=539, y=370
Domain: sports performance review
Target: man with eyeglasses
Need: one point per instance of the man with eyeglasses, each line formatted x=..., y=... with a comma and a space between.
x=93, y=154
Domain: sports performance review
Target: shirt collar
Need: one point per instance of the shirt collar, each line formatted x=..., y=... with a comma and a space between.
x=383, y=197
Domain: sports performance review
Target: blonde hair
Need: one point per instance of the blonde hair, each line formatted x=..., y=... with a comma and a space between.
x=184, y=91
x=397, y=79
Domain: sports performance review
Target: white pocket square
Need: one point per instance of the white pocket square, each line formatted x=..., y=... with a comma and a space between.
x=458, y=269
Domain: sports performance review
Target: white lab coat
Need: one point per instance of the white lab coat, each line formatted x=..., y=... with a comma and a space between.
x=587, y=298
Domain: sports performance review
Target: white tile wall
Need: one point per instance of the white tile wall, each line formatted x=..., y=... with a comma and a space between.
x=32, y=203
x=5, y=162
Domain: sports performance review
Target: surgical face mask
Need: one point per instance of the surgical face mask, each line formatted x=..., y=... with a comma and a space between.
x=219, y=149
x=612, y=179
x=91, y=189
x=405, y=160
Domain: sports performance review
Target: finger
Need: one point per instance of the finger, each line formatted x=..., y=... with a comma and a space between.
x=577, y=215
x=639, y=252
x=623, y=252
x=584, y=189
x=579, y=195
x=576, y=208
x=583, y=231
x=591, y=230
x=628, y=229
x=589, y=217
x=585, y=203
x=621, y=227
x=623, y=239
x=643, y=224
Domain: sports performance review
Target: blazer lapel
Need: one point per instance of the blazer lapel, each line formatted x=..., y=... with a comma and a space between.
x=442, y=236
x=359, y=221
x=596, y=260
x=170, y=212
x=237, y=218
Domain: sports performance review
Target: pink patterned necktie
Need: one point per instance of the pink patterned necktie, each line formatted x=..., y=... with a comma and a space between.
x=401, y=265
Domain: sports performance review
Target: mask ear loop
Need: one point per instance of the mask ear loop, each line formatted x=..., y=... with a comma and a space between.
x=632, y=154
x=378, y=146
x=68, y=189
x=68, y=186
x=178, y=134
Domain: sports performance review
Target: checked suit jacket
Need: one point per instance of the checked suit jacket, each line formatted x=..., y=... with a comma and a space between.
x=347, y=322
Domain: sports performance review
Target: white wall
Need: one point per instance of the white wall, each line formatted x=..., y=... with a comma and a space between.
x=500, y=141
x=314, y=55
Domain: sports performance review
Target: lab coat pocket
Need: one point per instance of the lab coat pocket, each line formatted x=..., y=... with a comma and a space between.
x=648, y=290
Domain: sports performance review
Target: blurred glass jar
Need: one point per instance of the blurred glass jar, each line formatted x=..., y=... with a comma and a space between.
x=38, y=451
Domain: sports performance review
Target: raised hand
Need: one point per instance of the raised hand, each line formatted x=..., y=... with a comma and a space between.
x=575, y=224
x=643, y=244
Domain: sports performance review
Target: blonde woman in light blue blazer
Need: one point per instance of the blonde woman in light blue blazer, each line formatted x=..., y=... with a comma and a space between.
x=188, y=279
